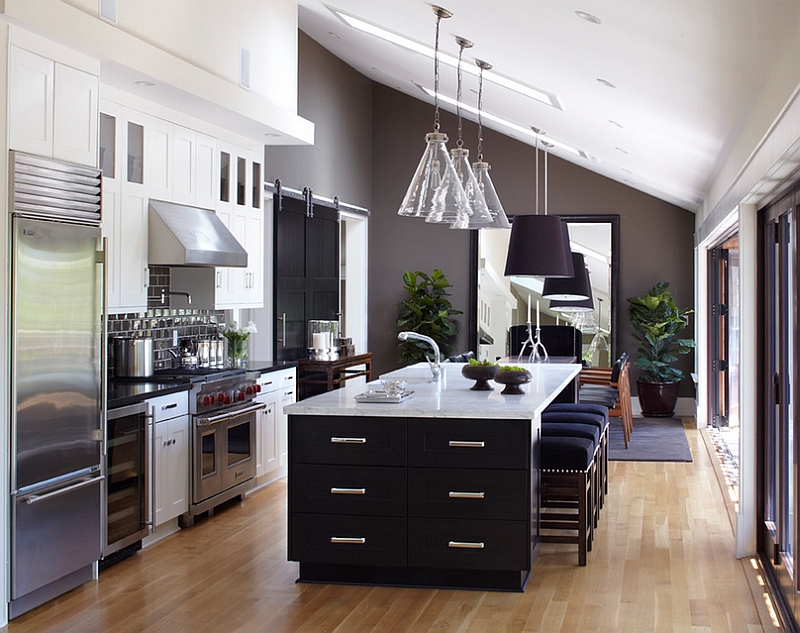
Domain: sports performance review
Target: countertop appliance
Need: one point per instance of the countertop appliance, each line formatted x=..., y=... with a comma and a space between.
x=223, y=425
x=57, y=374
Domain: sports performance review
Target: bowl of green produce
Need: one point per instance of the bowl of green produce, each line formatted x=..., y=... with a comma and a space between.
x=481, y=371
x=513, y=377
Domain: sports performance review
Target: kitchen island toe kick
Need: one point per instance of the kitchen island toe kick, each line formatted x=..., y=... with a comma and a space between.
x=440, y=490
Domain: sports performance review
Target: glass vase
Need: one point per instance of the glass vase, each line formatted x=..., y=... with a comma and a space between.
x=237, y=352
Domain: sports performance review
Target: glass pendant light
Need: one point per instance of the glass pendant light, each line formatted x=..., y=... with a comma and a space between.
x=481, y=168
x=478, y=214
x=435, y=187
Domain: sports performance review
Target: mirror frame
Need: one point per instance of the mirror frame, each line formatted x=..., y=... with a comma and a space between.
x=612, y=219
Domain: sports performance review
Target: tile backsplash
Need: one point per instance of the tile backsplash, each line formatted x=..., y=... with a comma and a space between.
x=160, y=322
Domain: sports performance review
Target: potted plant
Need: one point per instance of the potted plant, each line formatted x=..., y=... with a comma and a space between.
x=657, y=321
x=426, y=311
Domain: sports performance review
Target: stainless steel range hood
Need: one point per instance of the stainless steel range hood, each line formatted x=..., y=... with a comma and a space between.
x=181, y=235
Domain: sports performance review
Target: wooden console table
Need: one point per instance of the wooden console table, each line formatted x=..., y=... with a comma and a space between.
x=334, y=373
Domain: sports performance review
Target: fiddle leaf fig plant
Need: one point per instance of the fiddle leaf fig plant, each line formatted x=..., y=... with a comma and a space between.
x=657, y=321
x=426, y=311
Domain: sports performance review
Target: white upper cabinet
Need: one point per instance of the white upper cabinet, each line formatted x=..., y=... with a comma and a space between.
x=206, y=181
x=52, y=108
x=31, y=102
x=75, y=116
x=158, y=158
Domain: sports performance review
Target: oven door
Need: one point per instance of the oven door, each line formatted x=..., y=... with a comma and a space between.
x=224, y=451
x=240, y=446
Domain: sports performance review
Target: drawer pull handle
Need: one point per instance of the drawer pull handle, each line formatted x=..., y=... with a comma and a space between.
x=466, y=495
x=465, y=545
x=348, y=540
x=348, y=440
x=348, y=491
x=460, y=444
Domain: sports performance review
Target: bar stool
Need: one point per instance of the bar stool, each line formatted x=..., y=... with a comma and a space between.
x=565, y=494
x=586, y=414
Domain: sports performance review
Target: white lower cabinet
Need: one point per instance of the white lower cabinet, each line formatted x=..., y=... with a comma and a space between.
x=278, y=389
x=170, y=456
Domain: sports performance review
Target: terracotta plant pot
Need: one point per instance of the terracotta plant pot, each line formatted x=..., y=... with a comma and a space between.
x=481, y=374
x=658, y=399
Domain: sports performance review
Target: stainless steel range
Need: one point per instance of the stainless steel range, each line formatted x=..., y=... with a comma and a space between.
x=223, y=420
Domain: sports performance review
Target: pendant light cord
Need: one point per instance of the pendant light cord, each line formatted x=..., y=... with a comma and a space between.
x=460, y=141
x=436, y=125
x=480, y=120
x=537, y=176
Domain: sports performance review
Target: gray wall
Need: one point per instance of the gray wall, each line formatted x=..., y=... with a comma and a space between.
x=338, y=100
x=369, y=139
x=655, y=237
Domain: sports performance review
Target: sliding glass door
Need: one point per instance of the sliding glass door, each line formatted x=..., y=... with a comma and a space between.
x=779, y=446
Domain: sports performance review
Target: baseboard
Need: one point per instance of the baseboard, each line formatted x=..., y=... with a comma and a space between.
x=684, y=408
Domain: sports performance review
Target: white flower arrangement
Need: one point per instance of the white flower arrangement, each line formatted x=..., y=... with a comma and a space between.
x=237, y=338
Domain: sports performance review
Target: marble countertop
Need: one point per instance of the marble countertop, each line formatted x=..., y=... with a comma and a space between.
x=450, y=398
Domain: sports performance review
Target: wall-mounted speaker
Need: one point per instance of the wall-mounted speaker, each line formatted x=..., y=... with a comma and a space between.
x=108, y=10
x=244, y=68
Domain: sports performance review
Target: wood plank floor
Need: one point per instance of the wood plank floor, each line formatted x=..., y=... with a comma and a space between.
x=663, y=561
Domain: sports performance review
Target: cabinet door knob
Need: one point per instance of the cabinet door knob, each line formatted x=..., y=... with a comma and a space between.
x=348, y=540
x=348, y=491
x=465, y=545
x=463, y=444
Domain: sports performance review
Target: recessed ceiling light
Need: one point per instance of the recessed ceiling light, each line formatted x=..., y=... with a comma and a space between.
x=488, y=116
x=271, y=134
x=627, y=171
x=588, y=17
x=619, y=149
x=334, y=35
x=615, y=124
x=548, y=98
x=596, y=159
x=605, y=82
x=144, y=83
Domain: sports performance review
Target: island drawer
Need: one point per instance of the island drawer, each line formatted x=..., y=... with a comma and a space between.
x=458, y=544
x=348, y=440
x=348, y=540
x=468, y=494
x=477, y=443
x=364, y=490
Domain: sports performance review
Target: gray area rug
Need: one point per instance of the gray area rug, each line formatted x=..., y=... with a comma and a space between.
x=652, y=440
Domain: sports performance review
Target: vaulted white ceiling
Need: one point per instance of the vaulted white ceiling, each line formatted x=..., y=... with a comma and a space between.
x=685, y=73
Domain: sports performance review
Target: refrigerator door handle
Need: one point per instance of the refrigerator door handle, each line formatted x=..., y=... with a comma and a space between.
x=61, y=491
x=102, y=259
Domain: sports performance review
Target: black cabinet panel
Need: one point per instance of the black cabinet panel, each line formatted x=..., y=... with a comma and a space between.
x=446, y=443
x=350, y=441
x=468, y=494
x=361, y=490
x=458, y=544
x=349, y=540
x=307, y=286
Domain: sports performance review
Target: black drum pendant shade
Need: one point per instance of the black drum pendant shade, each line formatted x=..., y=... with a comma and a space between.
x=539, y=247
x=573, y=288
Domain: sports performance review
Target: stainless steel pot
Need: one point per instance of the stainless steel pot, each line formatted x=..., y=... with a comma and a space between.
x=133, y=357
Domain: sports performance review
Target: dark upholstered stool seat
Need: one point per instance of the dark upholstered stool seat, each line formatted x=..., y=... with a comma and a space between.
x=578, y=407
x=572, y=429
x=566, y=495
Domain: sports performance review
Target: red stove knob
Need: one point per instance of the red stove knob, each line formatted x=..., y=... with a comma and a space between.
x=240, y=395
x=228, y=398
x=208, y=401
x=257, y=388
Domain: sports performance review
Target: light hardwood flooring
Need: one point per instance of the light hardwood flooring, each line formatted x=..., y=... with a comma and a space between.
x=663, y=561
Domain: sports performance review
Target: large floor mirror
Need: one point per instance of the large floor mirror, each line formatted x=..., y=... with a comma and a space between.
x=500, y=302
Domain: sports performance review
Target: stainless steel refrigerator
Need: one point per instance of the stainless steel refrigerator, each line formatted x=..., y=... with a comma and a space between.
x=57, y=384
